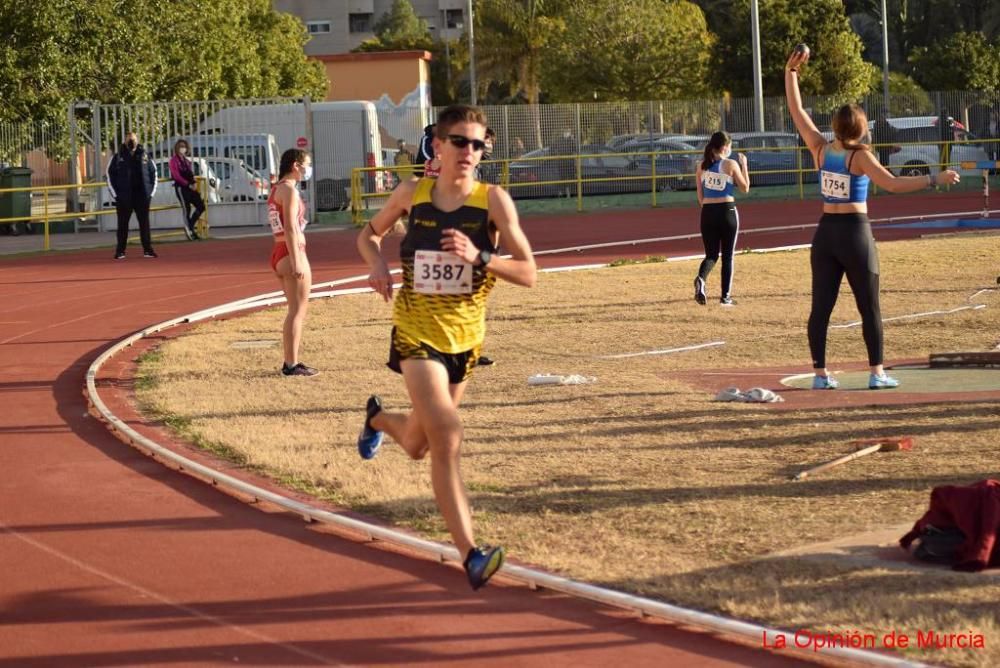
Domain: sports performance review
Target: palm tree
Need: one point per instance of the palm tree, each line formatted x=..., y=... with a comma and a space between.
x=513, y=35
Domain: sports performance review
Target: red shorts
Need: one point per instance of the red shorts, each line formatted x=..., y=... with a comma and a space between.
x=279, y=251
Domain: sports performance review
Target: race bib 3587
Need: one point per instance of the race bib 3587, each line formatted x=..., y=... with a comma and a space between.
x=438, y=273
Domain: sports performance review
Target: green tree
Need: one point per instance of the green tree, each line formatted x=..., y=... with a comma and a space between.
x=836, y=68
x=905, y=95
x=449, y=67
x=134, y=51
x=399, y=29
x=657, y=49
x=963, y=61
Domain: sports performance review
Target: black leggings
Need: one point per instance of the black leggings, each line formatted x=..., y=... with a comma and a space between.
x=719, y=226
x=191, y=204
x=844, y=244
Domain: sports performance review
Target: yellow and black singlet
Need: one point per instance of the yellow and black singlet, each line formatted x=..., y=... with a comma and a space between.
x=443, y=299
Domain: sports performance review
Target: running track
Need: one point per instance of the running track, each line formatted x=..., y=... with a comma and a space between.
x=108, y=558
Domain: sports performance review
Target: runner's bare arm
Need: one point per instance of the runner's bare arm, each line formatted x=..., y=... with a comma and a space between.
x=697, y=183
x=884, y=179
x=519, y=268
x=370, y=237
x=740, y=173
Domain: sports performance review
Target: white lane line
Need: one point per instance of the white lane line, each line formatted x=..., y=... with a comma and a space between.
x=667, y=351
x=911, y=316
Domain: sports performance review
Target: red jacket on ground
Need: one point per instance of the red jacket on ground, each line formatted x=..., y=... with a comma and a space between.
x=975, y=511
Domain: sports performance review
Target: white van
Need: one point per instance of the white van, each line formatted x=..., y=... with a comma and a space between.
x=258, y=150
x=344, y=135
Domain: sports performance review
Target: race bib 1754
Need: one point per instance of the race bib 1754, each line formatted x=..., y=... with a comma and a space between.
x=836, y=186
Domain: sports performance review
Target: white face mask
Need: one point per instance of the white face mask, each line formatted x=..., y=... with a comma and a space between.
x=727, y=151
x=307, y=172
x=182, y=151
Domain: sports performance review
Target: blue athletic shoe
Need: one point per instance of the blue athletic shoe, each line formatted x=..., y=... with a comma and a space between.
x=481, y=563
x=881, y=382
x=370, y=439
x=825, y=383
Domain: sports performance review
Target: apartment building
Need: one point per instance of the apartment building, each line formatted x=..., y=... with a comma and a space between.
x=337, y=26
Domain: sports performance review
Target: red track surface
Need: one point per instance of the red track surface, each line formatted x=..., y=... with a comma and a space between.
x=109, y=558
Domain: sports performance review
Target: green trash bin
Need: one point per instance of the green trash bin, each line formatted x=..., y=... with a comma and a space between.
x=15, y=205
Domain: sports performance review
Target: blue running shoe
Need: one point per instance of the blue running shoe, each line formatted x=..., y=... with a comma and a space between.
x=882, y=382
x=481, y=563
x=370, y=439
x=825, y=383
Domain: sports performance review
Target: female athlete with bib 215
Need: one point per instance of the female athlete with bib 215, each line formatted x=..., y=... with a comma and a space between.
x=843, y=243
x=720, y=223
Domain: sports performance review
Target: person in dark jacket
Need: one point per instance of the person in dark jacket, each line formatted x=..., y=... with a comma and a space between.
x=132, y=182
x=425, y=153
x=186, y=187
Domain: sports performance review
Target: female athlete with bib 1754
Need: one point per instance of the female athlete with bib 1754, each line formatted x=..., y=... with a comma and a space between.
x=439, y=315
x=843, y=243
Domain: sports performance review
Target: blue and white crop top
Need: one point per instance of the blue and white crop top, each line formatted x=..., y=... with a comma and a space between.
x=837, y=183
x=715, y=182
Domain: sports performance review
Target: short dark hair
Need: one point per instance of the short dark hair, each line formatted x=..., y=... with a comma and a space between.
x=458, y=113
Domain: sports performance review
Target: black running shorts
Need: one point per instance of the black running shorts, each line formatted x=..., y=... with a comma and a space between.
x=458, y=365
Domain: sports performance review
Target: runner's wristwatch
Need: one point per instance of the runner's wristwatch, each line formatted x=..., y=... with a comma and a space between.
x=484, y=257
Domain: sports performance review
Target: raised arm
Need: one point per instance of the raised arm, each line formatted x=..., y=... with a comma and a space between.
x=370, y=237
x=807, y=129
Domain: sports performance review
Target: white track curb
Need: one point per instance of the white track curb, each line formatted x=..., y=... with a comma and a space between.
x=532, y=577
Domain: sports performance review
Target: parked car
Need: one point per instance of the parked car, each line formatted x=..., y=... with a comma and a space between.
x=615, y=173
x=164, y=195
x=676, y=160
x=618, y=141
x=912, y=155
x=238, y=182
x=773, y=157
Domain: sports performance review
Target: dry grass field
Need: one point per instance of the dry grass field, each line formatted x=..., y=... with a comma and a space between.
x=638, y=481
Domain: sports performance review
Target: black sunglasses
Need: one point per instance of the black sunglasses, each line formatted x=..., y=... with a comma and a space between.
x=458, y=141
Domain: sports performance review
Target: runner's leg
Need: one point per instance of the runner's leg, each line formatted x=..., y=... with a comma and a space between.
x=434, y=406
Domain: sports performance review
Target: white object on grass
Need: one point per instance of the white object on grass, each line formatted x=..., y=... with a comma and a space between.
x=553, y=379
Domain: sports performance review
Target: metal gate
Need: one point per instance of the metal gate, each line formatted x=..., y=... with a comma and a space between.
x=236, y=145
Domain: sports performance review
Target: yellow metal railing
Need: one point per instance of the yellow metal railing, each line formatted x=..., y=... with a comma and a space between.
x=47, y=217
x=360, y=197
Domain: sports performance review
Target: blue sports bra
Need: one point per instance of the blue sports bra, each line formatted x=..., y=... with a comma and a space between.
x=715, y=182
x=836, y=182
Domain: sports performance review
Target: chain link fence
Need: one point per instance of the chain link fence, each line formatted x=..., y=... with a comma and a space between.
x=346, y=136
